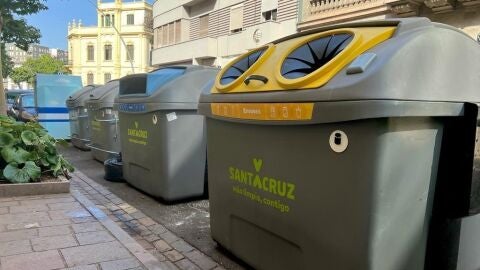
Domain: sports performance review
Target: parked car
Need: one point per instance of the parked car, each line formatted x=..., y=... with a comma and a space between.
x=11, y=95
x=23, y=108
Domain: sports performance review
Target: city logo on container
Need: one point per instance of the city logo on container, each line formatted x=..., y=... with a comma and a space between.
x=137, y=135
x=248, y=183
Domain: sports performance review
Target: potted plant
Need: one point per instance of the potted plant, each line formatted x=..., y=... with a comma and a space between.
x=28, y=155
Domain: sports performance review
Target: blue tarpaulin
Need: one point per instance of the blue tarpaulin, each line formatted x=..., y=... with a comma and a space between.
x=51, y=93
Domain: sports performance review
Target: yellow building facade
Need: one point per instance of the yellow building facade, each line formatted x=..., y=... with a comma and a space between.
x=118, y=45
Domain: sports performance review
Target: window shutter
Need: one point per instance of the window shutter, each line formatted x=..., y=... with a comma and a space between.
x=130, y=52
x=178, y=31
x=269, y=5
x=164, y=35
x=159, y=37
x=203, y=26
x=156, y=37
x=236, y=18
x=171, y=32
x=130, y=19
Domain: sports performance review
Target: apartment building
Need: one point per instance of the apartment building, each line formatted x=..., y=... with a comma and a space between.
x=213, y=32
x=19, y=57
x=463, y=14
x=59, y=54
x=118, y=45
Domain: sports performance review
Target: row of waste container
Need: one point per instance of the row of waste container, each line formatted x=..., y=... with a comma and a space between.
x=348, y=147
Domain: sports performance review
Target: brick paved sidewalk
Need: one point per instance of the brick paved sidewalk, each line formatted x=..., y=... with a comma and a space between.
x=56, y=232
x=172, y=251
x=88, y=229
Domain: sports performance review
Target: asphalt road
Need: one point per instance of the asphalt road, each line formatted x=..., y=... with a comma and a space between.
x=188, y=220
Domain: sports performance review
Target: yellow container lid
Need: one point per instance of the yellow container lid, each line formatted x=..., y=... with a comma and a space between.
x=301, y=62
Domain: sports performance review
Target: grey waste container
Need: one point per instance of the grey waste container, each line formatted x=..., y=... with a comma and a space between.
x=105, y=132
x=348, y=147
x=162, y=136
x=78, y=116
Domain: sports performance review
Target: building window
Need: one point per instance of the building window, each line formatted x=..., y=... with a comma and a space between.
x=269, y=10
x=108, y=52
x=270, y=15
x=109, y=20
x=90, y=53
x=203, y=26
x=130, y=52
x=107, y=77
x=236, y=19
x=130, y=19
x=90, y=78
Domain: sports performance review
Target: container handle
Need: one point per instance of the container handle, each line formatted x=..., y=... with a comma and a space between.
x=256, y=78
x=109, y=120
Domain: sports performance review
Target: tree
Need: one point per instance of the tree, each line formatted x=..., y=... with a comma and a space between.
x=45, y=64
x=21, y=74
x=15, y=29
x=7, y=64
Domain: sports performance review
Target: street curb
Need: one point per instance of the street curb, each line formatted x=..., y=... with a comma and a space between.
x=147, y=259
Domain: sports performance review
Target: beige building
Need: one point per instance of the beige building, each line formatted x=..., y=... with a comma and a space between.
x=100, y=53
x=463, y=14
x=213, y=32
x=19, y=57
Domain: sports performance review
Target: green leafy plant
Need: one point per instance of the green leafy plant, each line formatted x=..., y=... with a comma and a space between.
x=27, y=152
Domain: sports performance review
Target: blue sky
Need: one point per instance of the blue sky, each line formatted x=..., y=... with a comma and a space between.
x=54, y=21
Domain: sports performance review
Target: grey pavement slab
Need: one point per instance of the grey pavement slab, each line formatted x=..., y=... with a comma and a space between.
x=18, y=235
x=173, y=255
x=55, y=222
x=83, y=267
x=28, y=208
x=64, y=206
x=201, y=260
x=88, y=238
x=88, y=227
x=120, y=264
x=45, y=200
x=19, y=226
x=15, y=247
x=46, y=260
x=181, y=246
x=53, y=242
x=96, y=253
x=186, y=265
x=22, y=218
x=54, y=230
x=9, y=203
x=63, y=214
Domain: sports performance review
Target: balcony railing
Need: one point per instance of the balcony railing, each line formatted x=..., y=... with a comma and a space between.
x=318, y=6
x=321, y=12
x=315, y=9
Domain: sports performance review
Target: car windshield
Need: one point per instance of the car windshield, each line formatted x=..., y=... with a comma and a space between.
x=28, y=101
x=11, y=98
